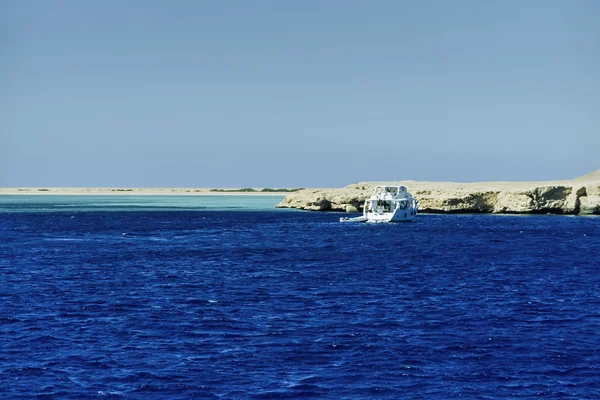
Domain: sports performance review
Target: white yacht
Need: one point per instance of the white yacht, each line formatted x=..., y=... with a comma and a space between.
x=388, y=204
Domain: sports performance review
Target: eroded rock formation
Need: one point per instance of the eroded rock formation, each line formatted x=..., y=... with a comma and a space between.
x=577, y=196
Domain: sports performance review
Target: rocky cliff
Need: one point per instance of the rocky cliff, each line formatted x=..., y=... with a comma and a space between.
x=577, y=196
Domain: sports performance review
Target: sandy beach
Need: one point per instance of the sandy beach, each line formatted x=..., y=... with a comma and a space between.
x=134, y=191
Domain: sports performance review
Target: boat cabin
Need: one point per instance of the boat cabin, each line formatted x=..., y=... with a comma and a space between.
x=392, y=190
x=386, y=199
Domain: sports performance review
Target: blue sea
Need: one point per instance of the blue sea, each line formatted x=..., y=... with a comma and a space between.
x=225, y=297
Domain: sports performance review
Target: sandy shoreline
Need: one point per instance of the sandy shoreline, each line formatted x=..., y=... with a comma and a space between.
x=134, y=191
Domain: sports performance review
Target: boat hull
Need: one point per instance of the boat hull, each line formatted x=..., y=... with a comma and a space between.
x=397, y=216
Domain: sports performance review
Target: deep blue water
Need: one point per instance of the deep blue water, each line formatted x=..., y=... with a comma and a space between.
x=222, y=304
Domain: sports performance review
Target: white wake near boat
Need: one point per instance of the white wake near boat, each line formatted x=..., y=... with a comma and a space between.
x=388, y=204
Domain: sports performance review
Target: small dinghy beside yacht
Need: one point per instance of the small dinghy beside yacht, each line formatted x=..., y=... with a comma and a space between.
x=388, y=204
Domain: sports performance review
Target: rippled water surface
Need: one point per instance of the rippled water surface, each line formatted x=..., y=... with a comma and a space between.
x=247, y=304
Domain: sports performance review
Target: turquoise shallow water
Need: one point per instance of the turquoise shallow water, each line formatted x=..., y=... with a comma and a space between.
x=54, y=203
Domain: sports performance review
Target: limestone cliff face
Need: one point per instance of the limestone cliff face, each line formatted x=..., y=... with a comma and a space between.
x=590, y=203
x=579, y=196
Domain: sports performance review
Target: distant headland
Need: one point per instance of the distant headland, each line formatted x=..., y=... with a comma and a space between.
x=146, y=191
x=579, y=196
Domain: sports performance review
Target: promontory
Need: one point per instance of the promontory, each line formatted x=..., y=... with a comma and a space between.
x=577, y=196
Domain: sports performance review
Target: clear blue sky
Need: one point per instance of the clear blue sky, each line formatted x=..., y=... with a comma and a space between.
x=296, y=93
